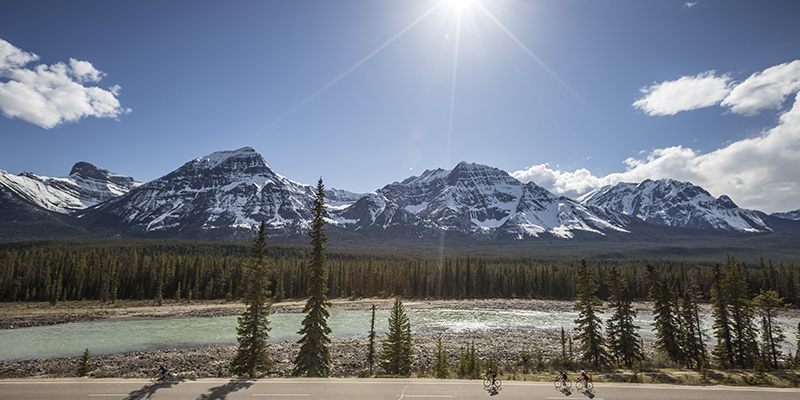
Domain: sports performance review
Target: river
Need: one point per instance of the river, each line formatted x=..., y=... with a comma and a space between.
x=122, y=336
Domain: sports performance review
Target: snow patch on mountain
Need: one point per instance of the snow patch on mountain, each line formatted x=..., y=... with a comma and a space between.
x=791, y=215
x=86, y=186
x=679, y=204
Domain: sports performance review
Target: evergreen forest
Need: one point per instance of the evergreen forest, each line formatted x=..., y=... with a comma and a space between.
x=109, y=270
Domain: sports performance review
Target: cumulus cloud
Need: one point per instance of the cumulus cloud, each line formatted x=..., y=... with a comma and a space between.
x=690, y=4
x=765, y=90
x=687, y=93
x=758, y=173
x=49, y=95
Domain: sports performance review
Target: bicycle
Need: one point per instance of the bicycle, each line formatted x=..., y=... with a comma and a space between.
x=562, y=383
x=582, y=384
x=158, y=377
x=489, y=384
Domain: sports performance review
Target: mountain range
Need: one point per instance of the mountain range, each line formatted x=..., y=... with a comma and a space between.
x=226, y=195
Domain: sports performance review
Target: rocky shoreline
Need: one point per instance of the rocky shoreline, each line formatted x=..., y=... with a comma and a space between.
x=348, y=354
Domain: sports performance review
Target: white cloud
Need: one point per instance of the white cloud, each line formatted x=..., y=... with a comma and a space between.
x=49, y=95
x=687, y=93
x=765, y=90
x=690, y=4
x=761, y=173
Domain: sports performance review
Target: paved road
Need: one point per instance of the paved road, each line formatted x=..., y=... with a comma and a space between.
x=372, y=389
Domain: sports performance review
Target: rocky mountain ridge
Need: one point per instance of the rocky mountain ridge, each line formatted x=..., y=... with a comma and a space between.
x=226, y=194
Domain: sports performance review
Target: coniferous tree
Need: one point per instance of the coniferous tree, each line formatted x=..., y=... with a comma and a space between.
x=745, y=346
x=692, y=344
x=623, y=336
x=441, y=363
x=665, y=316
x=694, y=349
x=253, y=330
x=84, y=364
x=371, y=348
x=314, y=357
x=397, y=354
x=589, y=326
x=768, y=303
x=723, y=351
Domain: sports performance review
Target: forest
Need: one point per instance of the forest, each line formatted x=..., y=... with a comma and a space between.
x=66, y=271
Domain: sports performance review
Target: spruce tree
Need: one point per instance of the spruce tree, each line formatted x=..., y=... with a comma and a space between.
x=252, y=354
x=768, y=303
x=589, y=326
x=397, y=353
x=441, y=363
x=723, y=351
x=84, y=364
x=665, y=316
x=623, y=338
x=745, y=346
x=694, y=349
x=314, y=357
x=371, y=348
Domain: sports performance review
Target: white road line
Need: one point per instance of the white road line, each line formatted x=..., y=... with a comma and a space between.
x=428, y=395
x=282, y=395
x=109, y=395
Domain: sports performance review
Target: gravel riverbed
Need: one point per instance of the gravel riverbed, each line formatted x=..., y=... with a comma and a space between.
x=348, y=354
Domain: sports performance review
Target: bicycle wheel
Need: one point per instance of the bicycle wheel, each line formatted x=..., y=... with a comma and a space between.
x=589, y=385
x=558, y=383
x=579, y=384
x=497, y=383
x=487, y=382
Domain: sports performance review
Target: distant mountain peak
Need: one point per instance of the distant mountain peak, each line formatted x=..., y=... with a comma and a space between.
x=675, y=203
x=220, y=157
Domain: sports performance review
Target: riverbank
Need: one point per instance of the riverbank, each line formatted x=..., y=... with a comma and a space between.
x=504, y=347
x=348, y=354
x=23, y=315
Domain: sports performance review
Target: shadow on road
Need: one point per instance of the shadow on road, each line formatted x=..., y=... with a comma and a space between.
x=493, y=390
x=565, y=391
x=221, y=392
x=150, y=389
x=588, y=393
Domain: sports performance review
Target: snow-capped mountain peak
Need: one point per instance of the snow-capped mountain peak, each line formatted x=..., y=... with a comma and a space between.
x=85, y=186
x=674, y=203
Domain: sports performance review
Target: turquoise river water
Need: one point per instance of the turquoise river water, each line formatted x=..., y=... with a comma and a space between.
x=119, y=336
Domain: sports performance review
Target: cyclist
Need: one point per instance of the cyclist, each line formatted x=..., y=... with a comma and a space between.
x=584, y=377
x=163, y=371
x=491, y=375
x=562, y=376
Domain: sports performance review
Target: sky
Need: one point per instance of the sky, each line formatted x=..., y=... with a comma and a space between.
x=572, y=95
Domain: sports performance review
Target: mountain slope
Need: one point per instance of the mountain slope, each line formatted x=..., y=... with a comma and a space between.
x=221, y=195
x=677, y=204
x=85, y=186
x=791, y=215
x=473, y=199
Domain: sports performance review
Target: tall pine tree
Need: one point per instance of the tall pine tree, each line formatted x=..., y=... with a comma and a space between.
x=253, y=331
x=665, y=316
x=723, y=351
x=397, y=352
x=314, y=357
x=694, y=349
x=623, y=335
x=371, y=347
x=589, y=326
x=767, y=304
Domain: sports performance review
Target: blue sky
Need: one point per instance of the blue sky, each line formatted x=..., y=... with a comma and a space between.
x=572, y=95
